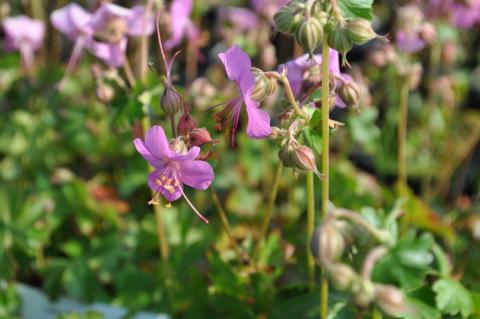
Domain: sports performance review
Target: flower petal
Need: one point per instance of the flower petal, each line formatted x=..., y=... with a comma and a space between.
x=71, y=20
x=258, y=122
x=141, y=148
x=110, y=53
x=236, y=62
x=157, y=143
x=138, y=23
x=197, y=174
x=23, y=29
x=189, y=156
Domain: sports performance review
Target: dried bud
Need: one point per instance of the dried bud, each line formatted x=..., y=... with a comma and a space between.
x=338, y=40
x=327, y=244
x=342, y=276
x=178, y=145
x=349, y=93
x=310, y=34
x=304, y=158
x=276, y=133
x=287, y=20
x=198, y=137
x=362, y=293
x=170, y=101
x=186, y=123
x=391, y=300
x=264, y=86
x=104, y=92
x=360, y=31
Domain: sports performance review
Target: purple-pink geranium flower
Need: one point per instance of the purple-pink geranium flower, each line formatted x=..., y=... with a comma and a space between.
x=110, y=25
x=465, y=15
x=267, y=7
x=25, y=35
x=410, y=41
x=238, y=68
x=181, y=24
x=241, y=19
x=297, y=69
x=172, y=168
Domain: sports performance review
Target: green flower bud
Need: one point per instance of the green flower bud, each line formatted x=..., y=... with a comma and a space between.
x=327, y=244
x=360, y=31
x=342, y=276
x=286, y=155
x=170, y=101
x=264, y=86
x=310, y=34
x=287, y=20
x=363, y=293
x=338, y=39
x=349, y=93
x=391, y=300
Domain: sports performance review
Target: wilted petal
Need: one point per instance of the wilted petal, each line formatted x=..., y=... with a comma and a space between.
x=236, y=62
x=139, y=24
x=197, y=174
x=157, y=143
x=71, y=20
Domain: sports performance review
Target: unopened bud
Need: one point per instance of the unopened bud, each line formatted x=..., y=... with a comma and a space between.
x=178, y=145
x=276, y=133
x=199, y=137
x=342, y=276
x=287, y=20
x=338, y=40
x=264, y=86
x=310, y=34
x=186, y=123
x=112, y=31
x=391, y=300
x=360, y=31
x=170, y=101
x=428, y=32
x=349, y=93
x=104, y=92
x=286, y=155
x=327, y=244
x=363, y=293
x=304, y=158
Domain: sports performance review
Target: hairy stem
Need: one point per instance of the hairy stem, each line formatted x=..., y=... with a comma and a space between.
x=310, y=225
x=373, y=256
x=226, y=225
x=325, y=165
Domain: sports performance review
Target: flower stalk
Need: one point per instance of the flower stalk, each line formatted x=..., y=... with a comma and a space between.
x=310, y=226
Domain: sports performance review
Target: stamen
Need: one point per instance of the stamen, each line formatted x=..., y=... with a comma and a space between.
x=158, y=182
x=162, y=178
x=193, y=207
x=154, y=200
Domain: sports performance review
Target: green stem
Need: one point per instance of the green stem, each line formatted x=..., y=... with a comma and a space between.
x=128, y=71
x=268, y=213
x=310, y=225
x=226, y=225
x=325, y=165
x=376, y=314
x=144, y=41
x=402, y=138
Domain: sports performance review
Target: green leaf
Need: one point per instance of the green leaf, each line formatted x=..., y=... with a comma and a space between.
x=452, y=297
x=352, y=9
x=422, y=310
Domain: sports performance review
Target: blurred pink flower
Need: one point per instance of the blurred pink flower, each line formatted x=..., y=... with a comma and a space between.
x=267, y=7
x=409, y=40
x=465, y=15
x=238, y=68
x=173, y=168
x=25, y=35
x=112, y=24
x=242, y=19
x=182, y=26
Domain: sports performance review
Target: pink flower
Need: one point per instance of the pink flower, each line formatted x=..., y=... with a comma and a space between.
x=173, y=169
x=410, y=41
x=111, y=24
x=23, y=34
x=182, y=25
x=240, y=18
x=237, y=66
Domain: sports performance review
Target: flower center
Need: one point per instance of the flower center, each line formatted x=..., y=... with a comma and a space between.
x=170, y=184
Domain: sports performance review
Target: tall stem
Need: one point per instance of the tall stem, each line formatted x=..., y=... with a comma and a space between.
x=268, y=213
x=310, y=225
x=325, y=165
x=128, y=71
x=402, y=138
x=226, y=225
x=144, y=41
x=376, y=314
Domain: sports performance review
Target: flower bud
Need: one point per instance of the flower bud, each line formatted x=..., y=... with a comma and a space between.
x=304, y=158
x=178, y=145
x=310, y=34
x=363, y=293
x=170, y=101
x=264, y=86
x=391, y=300
x=104, y=92
x=349, y=93
x=186, y=123
x=287, y=20
x=360, y=31
x=338, y=39
x=327, y=244
x=276, y=133
x=342, y=276
x=112, y=31
x=286, y=155
x=428, y=32
x=198, y=137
